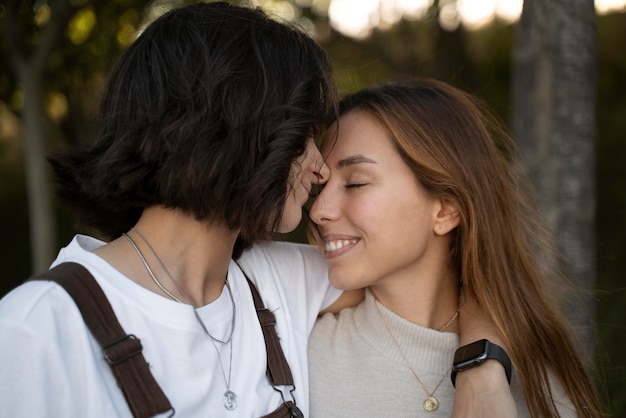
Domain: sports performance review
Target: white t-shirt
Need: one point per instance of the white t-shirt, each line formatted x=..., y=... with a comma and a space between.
x=52, y=367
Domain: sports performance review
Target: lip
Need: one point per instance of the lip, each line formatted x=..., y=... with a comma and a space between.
x=335, y=245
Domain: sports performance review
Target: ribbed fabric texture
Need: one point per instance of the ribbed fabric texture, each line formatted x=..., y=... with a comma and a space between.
x=356, y=370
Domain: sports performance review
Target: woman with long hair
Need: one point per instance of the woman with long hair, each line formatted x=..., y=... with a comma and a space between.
x=424, y=208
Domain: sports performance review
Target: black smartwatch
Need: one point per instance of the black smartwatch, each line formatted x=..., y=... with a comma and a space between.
x=477, y=353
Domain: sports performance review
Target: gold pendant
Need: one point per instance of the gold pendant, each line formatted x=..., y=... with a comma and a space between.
x=431, y=404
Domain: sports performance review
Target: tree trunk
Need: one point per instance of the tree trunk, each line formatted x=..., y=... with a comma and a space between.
x=554, y=122
x=40, y=208
x=29, y=62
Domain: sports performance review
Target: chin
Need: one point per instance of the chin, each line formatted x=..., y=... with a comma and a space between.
x=341, y=280
x=289, y=222
x=347, y=276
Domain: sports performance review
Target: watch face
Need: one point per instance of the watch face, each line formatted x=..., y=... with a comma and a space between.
x=471, y=351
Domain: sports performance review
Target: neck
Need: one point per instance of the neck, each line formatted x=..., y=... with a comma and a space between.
x=429, y=300
x=196, y=254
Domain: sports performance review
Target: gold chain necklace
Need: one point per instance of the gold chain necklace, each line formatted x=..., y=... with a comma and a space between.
x=430, y=403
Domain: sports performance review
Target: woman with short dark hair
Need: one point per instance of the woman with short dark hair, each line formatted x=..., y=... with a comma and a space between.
x=205, y=146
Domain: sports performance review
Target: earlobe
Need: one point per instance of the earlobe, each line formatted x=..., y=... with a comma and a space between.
x=447, y=217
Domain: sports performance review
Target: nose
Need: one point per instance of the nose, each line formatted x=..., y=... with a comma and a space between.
x=318, y=167
x=321, y=171
x=324, y=208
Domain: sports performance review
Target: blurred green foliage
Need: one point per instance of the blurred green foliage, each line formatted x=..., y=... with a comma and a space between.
x=478, y=61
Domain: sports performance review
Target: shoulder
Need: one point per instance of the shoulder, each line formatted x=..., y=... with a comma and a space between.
x=336, y=354
x=272, y=252
x=291, y=264
x=291, y=275
x=323, y=333
x=333, y=330
x=35, y=317
x=35, y=300
x=43, y=304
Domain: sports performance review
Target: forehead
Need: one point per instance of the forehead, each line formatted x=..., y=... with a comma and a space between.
x=357, y=133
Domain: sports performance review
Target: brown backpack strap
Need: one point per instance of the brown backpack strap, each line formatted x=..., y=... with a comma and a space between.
x=123, y=352
x=278, y=369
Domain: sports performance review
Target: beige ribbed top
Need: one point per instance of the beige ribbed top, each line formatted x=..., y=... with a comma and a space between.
x=356, y=369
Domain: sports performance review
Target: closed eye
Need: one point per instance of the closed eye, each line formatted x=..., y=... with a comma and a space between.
x=355, y=185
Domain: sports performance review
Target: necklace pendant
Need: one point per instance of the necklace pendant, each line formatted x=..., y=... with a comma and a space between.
x=431, y=404
x=230, y=400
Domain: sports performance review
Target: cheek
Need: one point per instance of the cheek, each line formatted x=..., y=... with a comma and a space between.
x=396, y=225
x=292, y=215
x=368, y=209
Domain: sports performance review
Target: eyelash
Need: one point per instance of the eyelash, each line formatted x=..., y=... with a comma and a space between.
x=316, y=189
x=355, y=185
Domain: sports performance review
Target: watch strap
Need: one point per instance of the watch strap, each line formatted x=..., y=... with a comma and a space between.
x=493, y=351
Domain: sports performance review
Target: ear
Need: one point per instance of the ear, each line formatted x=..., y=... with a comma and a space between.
x=446, y=217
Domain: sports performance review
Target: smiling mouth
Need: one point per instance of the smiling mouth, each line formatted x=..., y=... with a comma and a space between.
x=335, y=245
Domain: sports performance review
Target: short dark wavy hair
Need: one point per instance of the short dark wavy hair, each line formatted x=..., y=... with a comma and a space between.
x=205, y=113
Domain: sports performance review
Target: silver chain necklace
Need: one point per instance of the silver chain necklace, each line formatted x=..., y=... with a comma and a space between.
x=180, y=290
x=229, y=398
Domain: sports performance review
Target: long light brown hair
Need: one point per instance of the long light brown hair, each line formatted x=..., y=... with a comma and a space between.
x=501, y=253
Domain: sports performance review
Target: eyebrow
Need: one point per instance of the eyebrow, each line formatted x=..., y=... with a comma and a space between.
x=354, y=159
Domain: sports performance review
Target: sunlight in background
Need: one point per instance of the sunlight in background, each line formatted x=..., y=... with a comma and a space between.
x=606, y=6
x=358, y=18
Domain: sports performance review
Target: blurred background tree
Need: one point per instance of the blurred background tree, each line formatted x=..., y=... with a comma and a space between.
x=554, y=123
x=56, y=55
